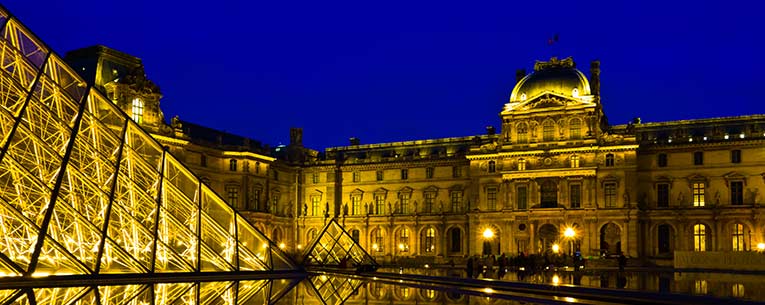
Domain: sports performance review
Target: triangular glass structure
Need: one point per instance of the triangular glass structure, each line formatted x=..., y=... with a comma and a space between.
x=334, y=247
x=85, y=190
x=335, y=290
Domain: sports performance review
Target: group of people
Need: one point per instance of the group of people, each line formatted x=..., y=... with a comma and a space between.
x=490, y=265
x=477, y=265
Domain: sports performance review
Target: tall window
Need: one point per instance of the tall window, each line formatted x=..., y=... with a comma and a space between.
x=522, y=164
x=456, y=171
x=379, y=205
x=736, y=192
x=548, y=194
x=232, y=194
x=456, y=201
x=404, y=207
x=739, y=244
x=491, y=198
x=575, y=193
x=430, y=200
x=492, y=166
x=315, y=206
x=429, y=172
x=699, y=237
x=523, y=133
x=356, y=176
x=379, y=175
x=246, y=166
x=610, y=194
x=574, y=161
x=698, y=194
x=610, y=160
x=203, y=160
x=137, y=111
x=355, y=235
x=356, y=205
x=548, y=131
x=257, y=169
x=735, y=156
x=403, y=240
x=522, y=197
x=315, y=178
x=255, y=199
x=456, y=240
x=232, y=165
x=698, y=158
x=378, y=241
x=661, y=160
x=404, y=174
x=429, y=242
x=662, y=195
x=575, y=129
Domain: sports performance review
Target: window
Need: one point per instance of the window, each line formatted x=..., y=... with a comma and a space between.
x=698, y=158
x=203, y=160
x=609, y=160
x=246, y=166
x=662, y=195
x=378, y=240
x=548, y=194
x=735, y=156
x=255, y=199
x=522, y=197
x=736, y=192
x=274, y=202
x=315, y=206
x=456, y=240
x=355, y=235
x=574, y=161
x=429, y=172
x=257, y=167
x=429, y=244
x=575, y=193
x=699, y=237
x=379, y=205
x=523, y=133
x=456, y=172
x=491, y=198
x=232, y=194
x=492, y=166
x=575, y=129
x=698, y=194
x=356, y=205
x=522, y=164
x=548, y=131
x=404, y=207
x=610, y=194
x=356, y=176
x=403, y=240
x=662, y=160
x=137, y=113
x=404, y=174
x=276, y=175
x=430, y=200
x=315, y=178
x=232, y=165
x=379, y=175
x=456, y=201
x=739, y=244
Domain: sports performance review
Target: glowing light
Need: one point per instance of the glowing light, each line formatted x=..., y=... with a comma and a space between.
x=375, y=246
x=555, y=280
x=705, y=138
x=323, y=278
x=282, y=246
x=741, y=136
x=569, y=299
x=569, y=232
x=299, y=246
x=488, y=290
x=401, y=247
x=555, y=248
x=727, y=136
x=761, y=247
x=427, y=266
x=265, y=246
x=488, y=234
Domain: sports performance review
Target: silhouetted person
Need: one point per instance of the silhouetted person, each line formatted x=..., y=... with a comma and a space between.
x=622, y=261
x=470, y=263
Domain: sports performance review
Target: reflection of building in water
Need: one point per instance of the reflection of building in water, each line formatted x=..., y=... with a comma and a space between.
x=555, y=163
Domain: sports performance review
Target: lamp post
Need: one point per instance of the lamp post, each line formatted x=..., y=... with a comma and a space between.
x=570, y=234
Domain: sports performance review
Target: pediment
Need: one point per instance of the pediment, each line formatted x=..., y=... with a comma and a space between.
x=431, y=188
x=357, y=192
x=406, y=189
x=549, y=100
x=381, y=191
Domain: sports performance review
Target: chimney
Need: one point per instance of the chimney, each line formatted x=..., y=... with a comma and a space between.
x=490, y=130
x=595, y=77
x=296, y=136
x=355, y=141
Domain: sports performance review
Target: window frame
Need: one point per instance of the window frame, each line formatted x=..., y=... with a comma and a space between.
x=698, y=158
x=735, y=156
x=609, y=194
x=662, y=160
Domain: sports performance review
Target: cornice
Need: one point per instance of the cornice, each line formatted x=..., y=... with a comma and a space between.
x=550, y=173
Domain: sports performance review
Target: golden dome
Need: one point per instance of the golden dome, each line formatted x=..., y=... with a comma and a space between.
x=555, y=76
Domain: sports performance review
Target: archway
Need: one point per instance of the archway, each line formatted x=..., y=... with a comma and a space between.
x=610, y=239
x=548, y=235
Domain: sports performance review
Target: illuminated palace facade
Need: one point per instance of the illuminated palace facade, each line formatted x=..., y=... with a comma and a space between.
x=555, y=173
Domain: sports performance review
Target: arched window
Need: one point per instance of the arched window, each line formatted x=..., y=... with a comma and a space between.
x=548, y=130
x=492, y=166
x=137, y=111
x=378, y=240
x=739, y=238
x=403, y=240
x=523, y=133
x=311, y=235
x=355, y=235
x=609, y=160
x=575, y=129
x=700, y=237
x=455, y=237
x=429, y=240
x=232, y=165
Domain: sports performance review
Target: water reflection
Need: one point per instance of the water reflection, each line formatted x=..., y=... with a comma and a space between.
x=725, y=285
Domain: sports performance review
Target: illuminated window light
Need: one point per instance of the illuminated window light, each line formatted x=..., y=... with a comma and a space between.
x=727, y=136
x=575, y=92
x=741, y=136
x=690, y=139
x=705, y=138
x=523, y=96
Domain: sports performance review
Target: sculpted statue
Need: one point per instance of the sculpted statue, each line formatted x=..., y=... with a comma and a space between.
x=717, y=197
x=681, y=198
x=305, y=209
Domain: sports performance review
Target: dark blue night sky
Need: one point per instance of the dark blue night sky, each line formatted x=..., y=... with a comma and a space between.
x=394, y=71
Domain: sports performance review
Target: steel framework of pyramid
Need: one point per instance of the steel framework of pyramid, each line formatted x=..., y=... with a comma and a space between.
x=333, y=246
x=84, y=190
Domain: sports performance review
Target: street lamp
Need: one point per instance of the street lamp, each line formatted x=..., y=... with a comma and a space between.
x=555, y=248
x=570, y=234
x=488, y=234
x=761, y=247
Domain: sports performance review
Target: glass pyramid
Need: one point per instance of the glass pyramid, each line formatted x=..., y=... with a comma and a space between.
x=84, y=190
x=335, y=247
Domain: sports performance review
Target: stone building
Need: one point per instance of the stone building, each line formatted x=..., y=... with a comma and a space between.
x=556, y=175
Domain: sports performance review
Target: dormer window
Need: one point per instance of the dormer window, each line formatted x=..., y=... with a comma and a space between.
x=575, y=92
x=137, y=111
x=523, y=96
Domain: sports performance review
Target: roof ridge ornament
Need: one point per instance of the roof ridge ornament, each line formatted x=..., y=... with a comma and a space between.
x=554, y=63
